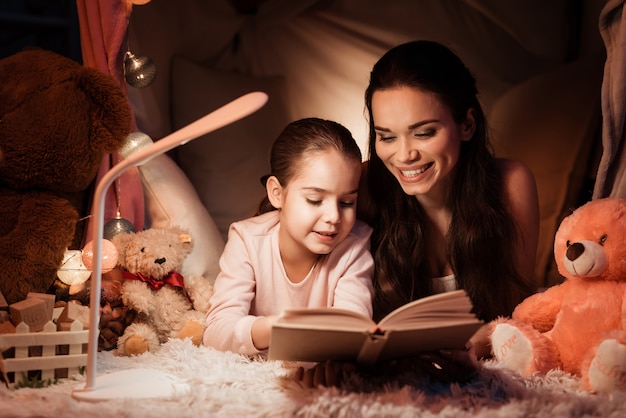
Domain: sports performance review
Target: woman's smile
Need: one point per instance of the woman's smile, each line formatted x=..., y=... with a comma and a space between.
x=414, y=172
x=417, y=139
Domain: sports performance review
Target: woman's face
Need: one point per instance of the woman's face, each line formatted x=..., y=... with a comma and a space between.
x=418, y=140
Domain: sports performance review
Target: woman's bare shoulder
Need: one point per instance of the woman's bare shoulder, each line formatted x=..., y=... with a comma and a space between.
x=523, y=203
x=516, y=175
x=520, y=192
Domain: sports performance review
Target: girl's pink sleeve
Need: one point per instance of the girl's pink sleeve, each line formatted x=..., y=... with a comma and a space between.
x=229, y=322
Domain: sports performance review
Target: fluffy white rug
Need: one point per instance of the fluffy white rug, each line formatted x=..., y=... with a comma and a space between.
x=228, y=385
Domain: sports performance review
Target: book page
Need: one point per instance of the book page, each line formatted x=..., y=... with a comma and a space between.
x=325, y=318
x=448, y=307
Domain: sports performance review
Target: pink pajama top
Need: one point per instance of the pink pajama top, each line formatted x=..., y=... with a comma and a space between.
x=252, y=281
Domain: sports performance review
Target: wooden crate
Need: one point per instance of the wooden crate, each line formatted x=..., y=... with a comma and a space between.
x=55, y=354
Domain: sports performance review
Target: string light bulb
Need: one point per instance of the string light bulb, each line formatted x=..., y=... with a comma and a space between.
x=139, y=71
x=118, y=225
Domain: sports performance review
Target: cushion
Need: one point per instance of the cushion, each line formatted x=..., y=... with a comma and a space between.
x=551, y=123
x=225, y=165
x=171, y=200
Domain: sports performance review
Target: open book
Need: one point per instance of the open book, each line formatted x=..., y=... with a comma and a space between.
x=441, y=321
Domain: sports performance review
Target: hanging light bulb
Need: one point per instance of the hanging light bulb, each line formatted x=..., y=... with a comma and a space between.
x=117, y=225
x=138, y=71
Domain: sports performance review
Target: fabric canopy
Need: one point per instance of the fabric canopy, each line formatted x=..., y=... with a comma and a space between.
x=325, y=49
x=611, y=178
x=103, y=27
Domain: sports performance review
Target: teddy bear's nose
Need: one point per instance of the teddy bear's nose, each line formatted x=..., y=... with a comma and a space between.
x=574, y=251
x=160, y=260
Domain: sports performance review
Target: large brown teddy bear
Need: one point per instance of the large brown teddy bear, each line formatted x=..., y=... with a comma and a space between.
x=578, y=326
x=58, y=120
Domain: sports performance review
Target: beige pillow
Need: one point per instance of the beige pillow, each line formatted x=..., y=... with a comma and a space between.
x=171, y=201
x=225, y=166
x=551, y=123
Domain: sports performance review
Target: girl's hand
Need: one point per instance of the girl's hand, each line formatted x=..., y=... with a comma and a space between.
x=261, y=330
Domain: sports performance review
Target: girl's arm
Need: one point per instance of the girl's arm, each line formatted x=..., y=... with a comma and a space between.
x=229, y=323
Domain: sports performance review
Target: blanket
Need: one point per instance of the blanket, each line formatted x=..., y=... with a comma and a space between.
x=224, y=384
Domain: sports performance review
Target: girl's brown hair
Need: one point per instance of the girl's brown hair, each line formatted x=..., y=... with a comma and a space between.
x=301, y=138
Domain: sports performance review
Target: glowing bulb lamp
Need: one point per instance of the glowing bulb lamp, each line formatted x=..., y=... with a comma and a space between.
x=143, y=383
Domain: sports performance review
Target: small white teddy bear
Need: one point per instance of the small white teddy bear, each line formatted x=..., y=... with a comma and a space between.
x=167, y=304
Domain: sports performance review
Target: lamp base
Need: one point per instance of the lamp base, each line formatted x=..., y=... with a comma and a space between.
x=132, y=383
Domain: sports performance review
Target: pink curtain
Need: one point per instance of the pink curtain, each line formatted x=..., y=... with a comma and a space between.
x=103, y=25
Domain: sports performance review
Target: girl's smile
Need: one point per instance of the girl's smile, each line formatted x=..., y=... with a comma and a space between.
x=318, y=206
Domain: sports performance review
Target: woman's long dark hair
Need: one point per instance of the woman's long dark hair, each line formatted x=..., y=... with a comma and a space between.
x=482, y=234
x=297, y=140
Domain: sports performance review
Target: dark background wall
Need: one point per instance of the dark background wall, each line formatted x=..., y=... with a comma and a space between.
x=49, y=24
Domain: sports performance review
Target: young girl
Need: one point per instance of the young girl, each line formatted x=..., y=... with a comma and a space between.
x=305, y=248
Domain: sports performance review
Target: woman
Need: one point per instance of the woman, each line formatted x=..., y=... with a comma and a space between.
x=446, y=213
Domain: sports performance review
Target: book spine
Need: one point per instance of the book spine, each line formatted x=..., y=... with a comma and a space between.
x=371, y=349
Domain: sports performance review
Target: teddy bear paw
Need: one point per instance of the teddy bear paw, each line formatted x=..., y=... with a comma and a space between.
x=194, y=330
x=607, y=370
x=137, y=339
x=512, y=348
x=136, y=345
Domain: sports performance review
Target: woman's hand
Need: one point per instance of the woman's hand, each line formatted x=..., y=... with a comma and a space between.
x=446, y=366
x=450, y=365
x=330, y=373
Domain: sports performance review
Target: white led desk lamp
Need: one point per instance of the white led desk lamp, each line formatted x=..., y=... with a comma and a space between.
x=144, y=383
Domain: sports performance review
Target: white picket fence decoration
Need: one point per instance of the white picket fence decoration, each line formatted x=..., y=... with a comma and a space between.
x=48, y=343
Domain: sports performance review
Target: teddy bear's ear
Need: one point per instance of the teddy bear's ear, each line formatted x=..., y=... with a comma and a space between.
x=111, y=113
x=184, y=238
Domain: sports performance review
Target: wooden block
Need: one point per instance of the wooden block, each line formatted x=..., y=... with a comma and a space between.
x=7, y=328
x=57, y=313
x=4, y=316
x=33, y=312
x=3, y=302
x=69, y=326
x=75, y=312
x=49, y=299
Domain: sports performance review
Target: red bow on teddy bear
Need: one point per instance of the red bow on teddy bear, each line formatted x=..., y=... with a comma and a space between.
x=174, y=279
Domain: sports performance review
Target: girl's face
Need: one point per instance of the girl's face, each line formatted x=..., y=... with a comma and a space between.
x=418, y=140
x=318, y=206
